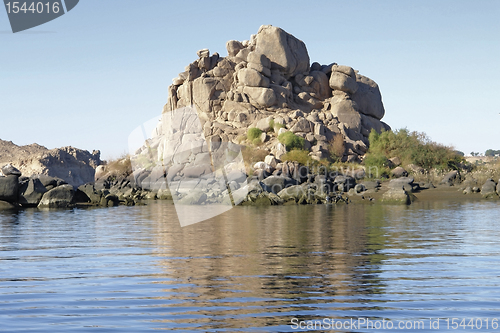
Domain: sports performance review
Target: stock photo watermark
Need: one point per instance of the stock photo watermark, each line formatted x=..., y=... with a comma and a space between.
x=429, y=324
x=24, y=15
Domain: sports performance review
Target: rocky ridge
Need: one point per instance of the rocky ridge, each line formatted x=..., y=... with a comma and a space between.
x=75, y=166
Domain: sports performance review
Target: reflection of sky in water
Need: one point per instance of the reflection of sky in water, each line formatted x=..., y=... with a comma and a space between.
x=131, y=269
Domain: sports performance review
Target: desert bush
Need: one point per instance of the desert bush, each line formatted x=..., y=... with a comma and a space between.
x=336, y=148
x=252, y=156
x=300, y=156
x=253, y=133
x=413, y=148
x=120, y=167
x=291, y=141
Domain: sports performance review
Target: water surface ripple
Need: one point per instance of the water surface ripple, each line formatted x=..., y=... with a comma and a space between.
x=134, y=269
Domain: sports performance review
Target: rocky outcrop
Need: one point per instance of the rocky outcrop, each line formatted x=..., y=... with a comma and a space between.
x=270, y=77
x=74, y=166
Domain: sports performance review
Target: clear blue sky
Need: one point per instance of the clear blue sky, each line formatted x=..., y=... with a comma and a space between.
x=88, y=78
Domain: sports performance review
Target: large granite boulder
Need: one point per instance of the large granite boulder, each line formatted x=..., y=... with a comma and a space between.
x=396, y=196
x=31, y=192
x=292, y=193
x=58, y=197
x=343, y=78
x=9, y=187
x=278, y=183
x=49, y=182
x=88, y=193
x=368, y=97
x=404, y=183
x=399, y=172
x=9, y=169
x=451, y=178
x=488, y=190
x=287, y=53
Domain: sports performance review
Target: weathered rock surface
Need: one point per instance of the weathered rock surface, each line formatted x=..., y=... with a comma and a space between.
x=59, y=197
x=9, y=186
x=488, y=190
x=396, y=196
x=404, y=183
x=9, y=169
x=286, y=53
x=451, y=178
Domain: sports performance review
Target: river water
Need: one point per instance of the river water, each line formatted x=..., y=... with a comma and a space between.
x=270, y=269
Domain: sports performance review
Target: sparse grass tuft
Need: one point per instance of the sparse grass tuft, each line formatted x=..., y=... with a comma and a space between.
x=300, y=156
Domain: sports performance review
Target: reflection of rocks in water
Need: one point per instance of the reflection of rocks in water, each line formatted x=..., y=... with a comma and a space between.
x=274, y=256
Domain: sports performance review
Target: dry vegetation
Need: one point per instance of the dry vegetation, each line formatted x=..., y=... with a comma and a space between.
x=119, y=167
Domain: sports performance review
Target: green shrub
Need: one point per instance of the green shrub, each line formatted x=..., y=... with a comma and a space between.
x=298, y=155
x=376, y=165
x=253, y=133
x=413, y=148
x=291, y=141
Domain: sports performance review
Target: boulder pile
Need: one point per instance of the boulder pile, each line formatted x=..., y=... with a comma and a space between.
x=42, y=191
x=268, y=82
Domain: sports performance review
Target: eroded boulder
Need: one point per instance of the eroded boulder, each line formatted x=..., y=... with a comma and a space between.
x=287, y=53
x=58, y=197
x=9, y=187
x=31, y=192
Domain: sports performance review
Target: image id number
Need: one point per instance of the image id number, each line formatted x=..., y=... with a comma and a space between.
x=16, y=7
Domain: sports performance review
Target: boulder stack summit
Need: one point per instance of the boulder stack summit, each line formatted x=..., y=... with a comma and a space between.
x=269, y=81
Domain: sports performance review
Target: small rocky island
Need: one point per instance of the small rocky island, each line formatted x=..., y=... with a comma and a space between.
x=303, y=131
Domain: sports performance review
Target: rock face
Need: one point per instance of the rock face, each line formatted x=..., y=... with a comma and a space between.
x=73, y=165
x=271, y=77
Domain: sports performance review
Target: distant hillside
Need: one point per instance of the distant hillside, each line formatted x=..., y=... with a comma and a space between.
x=74, y=165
